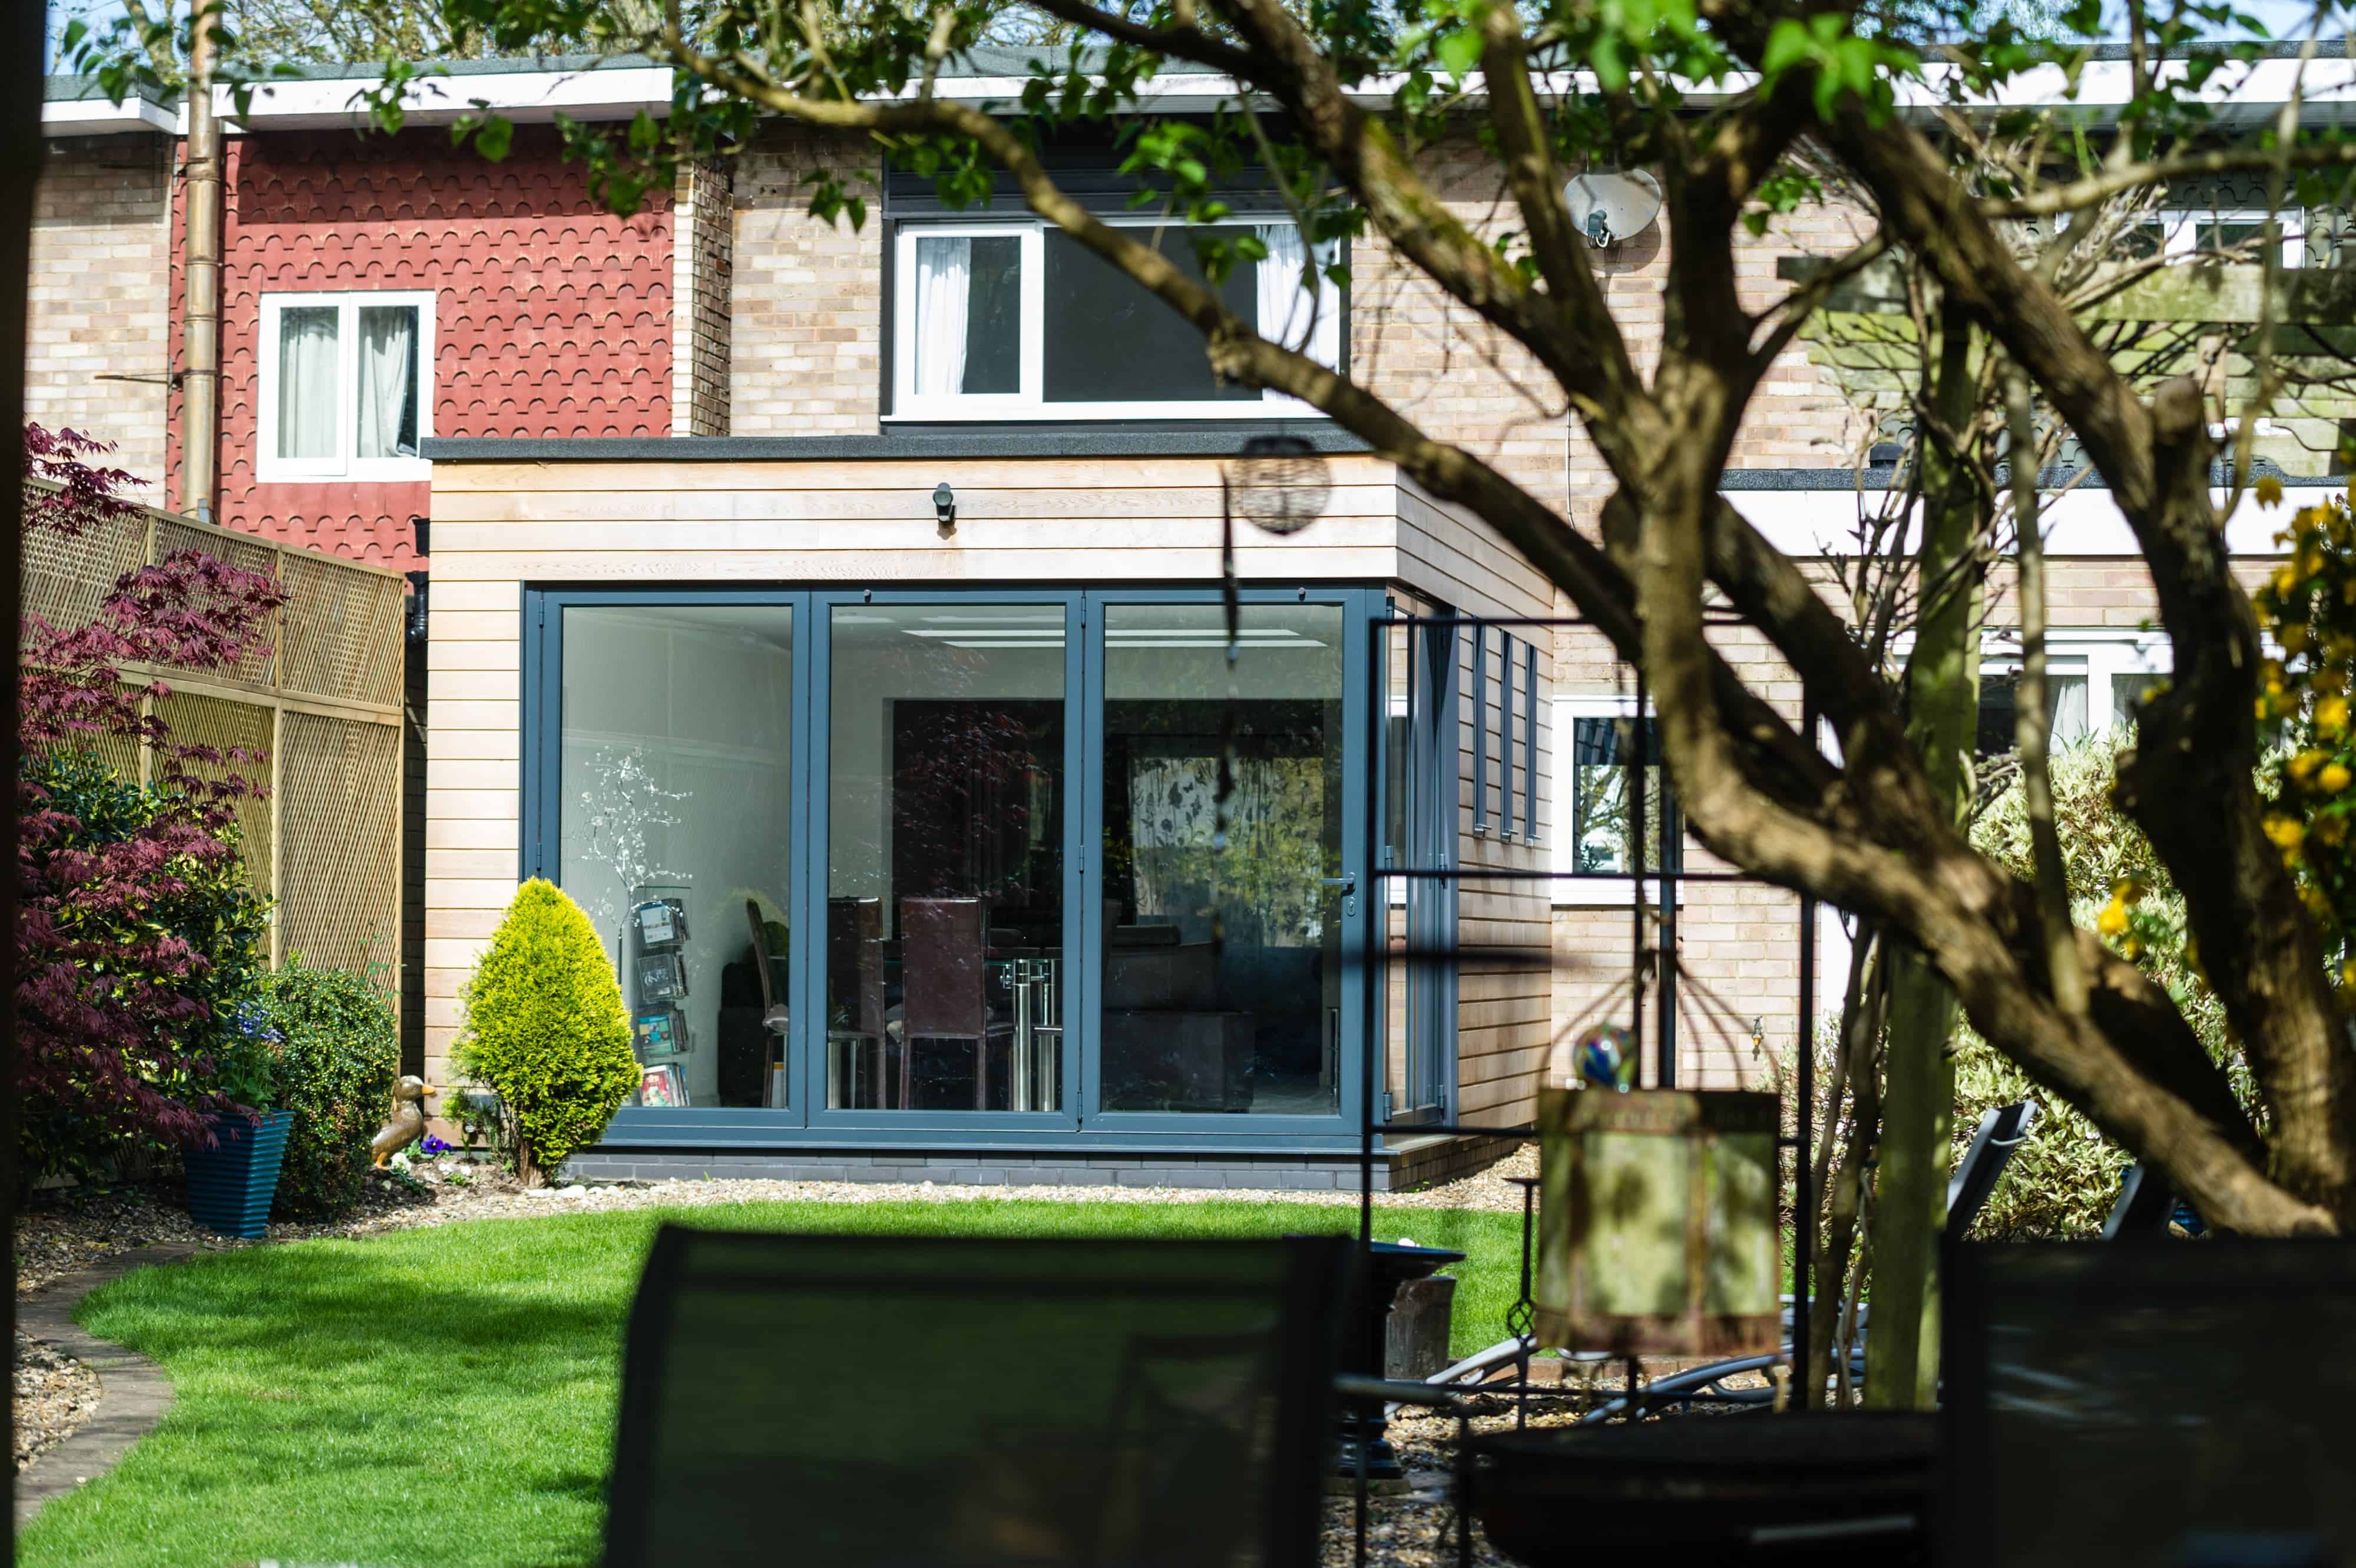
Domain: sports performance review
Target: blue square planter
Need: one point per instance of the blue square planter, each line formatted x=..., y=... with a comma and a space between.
x=230, y=1186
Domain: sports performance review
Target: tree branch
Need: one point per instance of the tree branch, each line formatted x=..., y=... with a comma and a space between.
x=2095, y=190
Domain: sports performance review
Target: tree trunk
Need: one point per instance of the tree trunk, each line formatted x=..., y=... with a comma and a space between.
x=1842, y=1188
x=1901, y=1351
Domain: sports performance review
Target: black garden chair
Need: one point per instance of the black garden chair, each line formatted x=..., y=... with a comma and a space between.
x=2150, y=1406
x=934, y=1402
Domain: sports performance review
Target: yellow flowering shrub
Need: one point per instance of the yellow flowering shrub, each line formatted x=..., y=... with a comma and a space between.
x=2307, y=607
x=2063, y=1180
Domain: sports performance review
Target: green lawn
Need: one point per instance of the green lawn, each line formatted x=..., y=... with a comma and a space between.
x=445, y=1397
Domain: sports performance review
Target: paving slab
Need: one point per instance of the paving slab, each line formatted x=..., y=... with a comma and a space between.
x=134, y=1392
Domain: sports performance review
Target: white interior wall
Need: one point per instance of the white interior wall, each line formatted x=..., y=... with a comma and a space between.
x=705, y=695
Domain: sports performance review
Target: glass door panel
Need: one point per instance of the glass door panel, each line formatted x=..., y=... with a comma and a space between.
x=1221, y=974
x=676, y=834
x=944, y=884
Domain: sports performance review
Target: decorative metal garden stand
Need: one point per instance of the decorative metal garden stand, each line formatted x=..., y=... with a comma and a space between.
x=1659, y=1234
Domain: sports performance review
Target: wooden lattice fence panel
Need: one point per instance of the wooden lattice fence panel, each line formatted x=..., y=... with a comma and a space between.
x=323, y=704
x=65, y=579
x=247, y=555
x=342, y=634
x=224, y=725
x=339, y=842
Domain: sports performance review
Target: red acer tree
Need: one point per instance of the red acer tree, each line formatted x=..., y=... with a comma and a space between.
x=139, y=936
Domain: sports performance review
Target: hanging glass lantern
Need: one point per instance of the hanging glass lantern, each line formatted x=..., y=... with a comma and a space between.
x=1657, y=1231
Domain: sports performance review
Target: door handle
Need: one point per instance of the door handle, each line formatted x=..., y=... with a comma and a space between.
x=1347, y=881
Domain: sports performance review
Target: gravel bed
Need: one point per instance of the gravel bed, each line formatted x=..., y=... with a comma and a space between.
x=54, y=1395
x=1416, y=1530
x=61, y=1233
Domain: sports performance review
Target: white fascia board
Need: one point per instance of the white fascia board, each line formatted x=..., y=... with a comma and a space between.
x=1812, y=524
x=2326, y=86
x=527, y=97
x=97, y=117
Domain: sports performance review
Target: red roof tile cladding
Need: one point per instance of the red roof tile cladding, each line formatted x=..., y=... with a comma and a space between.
x=552, y=316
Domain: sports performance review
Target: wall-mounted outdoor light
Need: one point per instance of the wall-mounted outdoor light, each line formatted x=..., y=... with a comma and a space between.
x=944, y=506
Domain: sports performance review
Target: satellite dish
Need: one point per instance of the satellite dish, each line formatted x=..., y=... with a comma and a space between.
x=1610, y=204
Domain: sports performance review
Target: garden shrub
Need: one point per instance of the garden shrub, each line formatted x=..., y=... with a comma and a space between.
x=144, y=943
x=546, y=1030
x=138, y=937
x=342, y=1052
x=2063, y=1180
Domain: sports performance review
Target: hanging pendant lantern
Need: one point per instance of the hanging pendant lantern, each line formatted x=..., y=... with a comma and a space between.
x=1657, y=1232
x=1278, y=483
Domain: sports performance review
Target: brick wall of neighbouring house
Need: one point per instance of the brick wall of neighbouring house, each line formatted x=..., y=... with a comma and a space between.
x=96, y=296
x=808, y=320
x=704, y=260
x=806, y=300
x=1463, y=381
x=552, y=316
x=1741, y=941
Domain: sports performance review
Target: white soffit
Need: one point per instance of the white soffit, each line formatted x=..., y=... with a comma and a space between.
x=527, y=97
x=2327, y=85
x=95, y=116
x=1813, y=523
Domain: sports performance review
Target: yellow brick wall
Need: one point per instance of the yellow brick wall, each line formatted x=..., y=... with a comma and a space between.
x=98, y=296
x=806, y=298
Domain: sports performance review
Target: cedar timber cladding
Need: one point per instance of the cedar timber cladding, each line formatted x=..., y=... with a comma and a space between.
x=552, y=316
x=501, y=525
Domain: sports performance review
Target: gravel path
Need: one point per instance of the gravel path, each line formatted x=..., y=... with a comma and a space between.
x=54, y=1394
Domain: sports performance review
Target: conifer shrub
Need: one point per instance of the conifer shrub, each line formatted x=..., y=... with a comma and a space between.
x=335, y=1069
x=544, y=1029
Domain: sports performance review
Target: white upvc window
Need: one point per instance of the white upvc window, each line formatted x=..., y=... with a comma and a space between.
x=2092, y=677
x=347, y=386
x=1591, y=841
x=2197, y=230
x=1016, y=320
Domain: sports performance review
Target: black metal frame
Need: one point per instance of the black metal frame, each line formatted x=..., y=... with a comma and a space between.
x=1520, y=1318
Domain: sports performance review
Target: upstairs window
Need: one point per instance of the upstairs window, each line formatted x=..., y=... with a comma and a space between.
x=346, y=386
x=1021, y=321
x=2231, y=233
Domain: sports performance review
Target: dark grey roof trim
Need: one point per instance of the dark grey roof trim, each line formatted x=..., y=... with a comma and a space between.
x=84, y=89
x=1045, y=441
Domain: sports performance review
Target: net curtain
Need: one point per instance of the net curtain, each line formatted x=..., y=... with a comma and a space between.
x=944, y=297
x=388, y=349
x=306, y=383
x=1290, y=313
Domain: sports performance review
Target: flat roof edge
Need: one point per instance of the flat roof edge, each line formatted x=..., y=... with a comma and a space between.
x=1220, y=441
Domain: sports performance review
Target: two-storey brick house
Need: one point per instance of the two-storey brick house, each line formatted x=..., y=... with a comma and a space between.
x=835, y=614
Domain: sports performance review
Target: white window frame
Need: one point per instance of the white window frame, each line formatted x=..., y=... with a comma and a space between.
x=2180, y=229
x=1594, y=890
x=2098, y=653
x=1030, y=403
x=271, y=468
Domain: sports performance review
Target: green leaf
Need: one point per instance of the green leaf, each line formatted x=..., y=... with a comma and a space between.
x=1788, y=45
x=494, y=135
x=1610, y=68
x=1459, y=51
